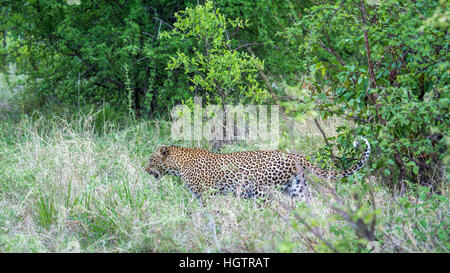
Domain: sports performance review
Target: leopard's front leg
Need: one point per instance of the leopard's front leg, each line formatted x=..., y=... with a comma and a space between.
x=197, y=184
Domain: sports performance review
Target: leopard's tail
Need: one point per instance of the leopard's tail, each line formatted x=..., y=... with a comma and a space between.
x=353, y=169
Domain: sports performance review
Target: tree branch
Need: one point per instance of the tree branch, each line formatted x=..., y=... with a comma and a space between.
x=325, y=139
x=367, y=45
x=266, y=80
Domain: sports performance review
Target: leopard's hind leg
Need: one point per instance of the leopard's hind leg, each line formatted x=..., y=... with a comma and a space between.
x=298, y=188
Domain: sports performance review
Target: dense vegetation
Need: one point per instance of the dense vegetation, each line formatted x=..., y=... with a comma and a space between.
x=93, y=84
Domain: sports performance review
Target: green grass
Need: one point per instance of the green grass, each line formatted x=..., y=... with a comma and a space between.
x=69, y=183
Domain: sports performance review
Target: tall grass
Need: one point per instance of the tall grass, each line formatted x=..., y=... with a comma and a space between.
x=70, y=183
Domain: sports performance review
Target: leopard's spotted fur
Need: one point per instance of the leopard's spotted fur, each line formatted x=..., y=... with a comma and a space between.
x=248, y=174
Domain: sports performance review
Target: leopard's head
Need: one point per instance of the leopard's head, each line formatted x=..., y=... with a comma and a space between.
x=157, y=165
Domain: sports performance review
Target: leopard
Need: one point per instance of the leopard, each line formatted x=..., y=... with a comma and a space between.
x=248, y=174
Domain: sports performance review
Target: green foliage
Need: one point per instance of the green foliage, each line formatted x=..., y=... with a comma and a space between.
x=47, y=211
x=21, y=244
x=351, y=224
x=362, y=220
x=385, y=67
x=411, y=210
x=76, y=54
x=267, y=34
x=64, y=188
x=216, y=71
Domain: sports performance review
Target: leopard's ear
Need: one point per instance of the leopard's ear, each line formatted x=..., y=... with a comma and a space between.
x=163, y=151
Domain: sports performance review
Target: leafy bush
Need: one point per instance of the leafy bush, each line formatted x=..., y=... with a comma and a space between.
x=93, y=52
x=221, y=74
x=365, y=218
x=112, y=52
x=384, y=67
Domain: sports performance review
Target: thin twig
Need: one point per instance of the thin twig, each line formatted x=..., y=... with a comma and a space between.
x=325, y=139
x=266, y=80
x=247, y=45
x=307, y=240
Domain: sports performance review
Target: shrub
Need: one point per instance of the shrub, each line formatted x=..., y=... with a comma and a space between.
x=385, y=68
